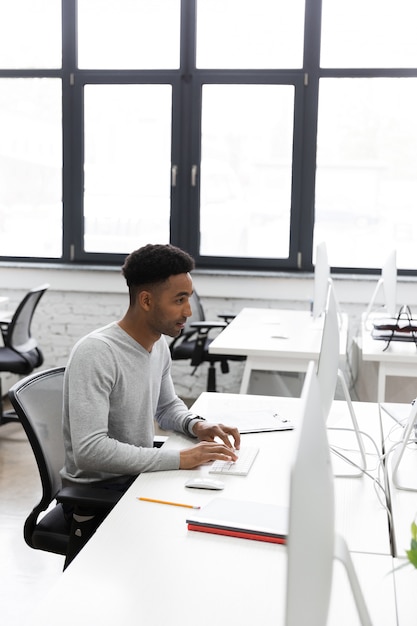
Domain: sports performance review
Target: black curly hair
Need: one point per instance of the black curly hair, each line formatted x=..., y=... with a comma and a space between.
x=154, y=264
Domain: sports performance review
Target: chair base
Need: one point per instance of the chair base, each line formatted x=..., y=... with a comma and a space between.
x=211, y=378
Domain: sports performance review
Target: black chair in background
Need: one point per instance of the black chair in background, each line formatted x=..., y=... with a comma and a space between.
x=20, y=353
x=194, y=341
x=37, y=400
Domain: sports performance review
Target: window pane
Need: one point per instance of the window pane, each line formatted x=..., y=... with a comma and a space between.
x=30, y=34
x=263, y=34
x=366, y=185
x=369, y=33
x=133, y=34
x=247, y=136
x=127, y=166
x=30, y=167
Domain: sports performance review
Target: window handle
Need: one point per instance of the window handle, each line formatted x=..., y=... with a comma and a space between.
x=193, y=175
x=174, y=173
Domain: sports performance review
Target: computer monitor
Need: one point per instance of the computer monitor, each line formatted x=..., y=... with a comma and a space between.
x=311, y=514
x=312, y=543
x=321, y=280
x=388, y=283
x=404, y=455
x=328, y=373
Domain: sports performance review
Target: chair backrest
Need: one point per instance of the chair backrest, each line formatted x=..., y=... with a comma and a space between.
x=38, y=400
x=197, y=311
x=197, y=314
x=18, y=335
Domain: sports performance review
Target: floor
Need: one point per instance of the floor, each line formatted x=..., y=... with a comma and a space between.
x=25, y=574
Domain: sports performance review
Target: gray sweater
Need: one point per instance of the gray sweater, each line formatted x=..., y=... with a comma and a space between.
x=113, y=391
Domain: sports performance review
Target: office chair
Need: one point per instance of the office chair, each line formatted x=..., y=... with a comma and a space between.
x=20, y=353
x=194, y=341
x=37, y=400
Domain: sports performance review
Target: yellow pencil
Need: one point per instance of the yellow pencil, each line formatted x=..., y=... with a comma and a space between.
x=187, y=506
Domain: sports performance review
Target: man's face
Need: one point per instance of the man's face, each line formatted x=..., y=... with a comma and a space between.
x=170, y=305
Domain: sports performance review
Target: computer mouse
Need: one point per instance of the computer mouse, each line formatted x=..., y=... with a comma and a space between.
x=204, y=483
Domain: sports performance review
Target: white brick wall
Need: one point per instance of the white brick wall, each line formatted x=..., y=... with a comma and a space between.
x=67, y=313
x=63, y=317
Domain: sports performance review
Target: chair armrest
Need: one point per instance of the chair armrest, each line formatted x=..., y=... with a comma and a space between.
x=4, y=327
x=207, y=325
x=159, y=440
x=89, y=496
x=227, y=317
x=203, y=329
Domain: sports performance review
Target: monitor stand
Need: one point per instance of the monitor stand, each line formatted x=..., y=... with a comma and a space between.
x=361, y=465
x=342, y=554
x=404, y=456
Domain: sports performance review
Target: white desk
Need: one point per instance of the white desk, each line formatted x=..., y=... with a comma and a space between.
x=153, y=571
x=144, y=566
x=399, y=359
x=276, y=340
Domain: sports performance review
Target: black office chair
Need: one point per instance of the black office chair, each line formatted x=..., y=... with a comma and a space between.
x=194, y=341
x=20, y=353
x=37, y=400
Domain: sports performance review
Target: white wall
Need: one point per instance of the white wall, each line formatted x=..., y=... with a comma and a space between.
x=80, y=300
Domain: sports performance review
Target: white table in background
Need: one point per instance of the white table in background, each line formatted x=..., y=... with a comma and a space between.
x=399, y=359
x=277, y=340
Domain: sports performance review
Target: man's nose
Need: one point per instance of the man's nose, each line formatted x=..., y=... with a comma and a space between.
x=187, y=310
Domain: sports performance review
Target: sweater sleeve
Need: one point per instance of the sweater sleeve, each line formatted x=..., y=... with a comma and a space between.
x=172, y=413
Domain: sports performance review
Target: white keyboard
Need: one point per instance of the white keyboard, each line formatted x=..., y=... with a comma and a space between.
x=241, y=467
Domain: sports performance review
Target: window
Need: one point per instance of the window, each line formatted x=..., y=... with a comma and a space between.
x=30, y=129
x=127, y=162
x=31, y=167
x=246, y=148
x=366, y=170
x=144, y=34
x=244, y=131
x=262, y=34
x=30, y=34
x=366, y=177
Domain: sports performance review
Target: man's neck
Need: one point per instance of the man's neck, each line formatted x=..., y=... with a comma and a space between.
x=145, y=339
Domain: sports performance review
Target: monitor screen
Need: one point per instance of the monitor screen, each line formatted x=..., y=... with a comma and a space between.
x=388, y=282
x=328, y=363
x=328, y=374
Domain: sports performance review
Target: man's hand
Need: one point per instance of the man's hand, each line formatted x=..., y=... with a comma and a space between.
x=204, y=452
x=205, y=431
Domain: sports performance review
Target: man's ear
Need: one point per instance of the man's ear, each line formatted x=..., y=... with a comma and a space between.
x=144, y=299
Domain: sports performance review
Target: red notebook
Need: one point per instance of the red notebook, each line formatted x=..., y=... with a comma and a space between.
x=238, y=518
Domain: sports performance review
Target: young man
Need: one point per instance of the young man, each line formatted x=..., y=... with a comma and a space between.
x=118, y=380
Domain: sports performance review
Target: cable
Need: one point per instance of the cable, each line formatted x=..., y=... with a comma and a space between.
x=378, y=485
x=376, y=481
